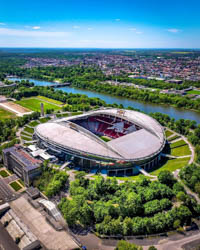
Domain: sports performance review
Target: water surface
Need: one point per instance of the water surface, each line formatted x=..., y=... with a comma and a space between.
x=145, y=107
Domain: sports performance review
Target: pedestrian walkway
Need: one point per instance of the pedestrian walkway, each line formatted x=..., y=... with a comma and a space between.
x=173, y=141
x=175, y=157
x=188, y=191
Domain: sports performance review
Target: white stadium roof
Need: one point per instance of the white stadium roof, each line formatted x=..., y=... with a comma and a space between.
x=136, y=145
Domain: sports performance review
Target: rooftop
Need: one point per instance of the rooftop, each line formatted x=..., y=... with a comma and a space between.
x=27, y=160
x=149, y=140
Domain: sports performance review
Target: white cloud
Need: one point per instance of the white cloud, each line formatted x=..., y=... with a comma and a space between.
x=76, y=27
x=132, y=29
x=32, y=33
x=90, y=28
x=173, y=30
x=117, y=19
x=139, y=32
x=36, y=27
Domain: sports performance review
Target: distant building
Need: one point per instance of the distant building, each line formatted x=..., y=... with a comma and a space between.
x=21, y=163
x=156, y=78
x=137, y=77
x=175, y=81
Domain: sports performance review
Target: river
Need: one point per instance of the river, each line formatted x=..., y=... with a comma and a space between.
x=145, y=107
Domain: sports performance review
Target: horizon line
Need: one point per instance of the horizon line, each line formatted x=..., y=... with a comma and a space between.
x=95, y=48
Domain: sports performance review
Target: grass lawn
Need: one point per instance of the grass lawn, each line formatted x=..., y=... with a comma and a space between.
x=4, y=173
x=181, y=151
x=50, y=100
x=34, y=104
x=26, y=134
x=76, y=113
x=132, y=178
x=26, y=138
x=33, y=124
x=4, y=114
x=174, y=137
x=15, y=185
x=168, y=133
x=194, y=92
x=61, y=115
x=45, y=119
x=126, y=178
x=170, y=164
x=178, y=144
x=56, y=165
x=29, y=130
x=28, y=144
x=105, y=138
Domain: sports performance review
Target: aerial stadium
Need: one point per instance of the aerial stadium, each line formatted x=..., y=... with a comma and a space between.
x=110, y=141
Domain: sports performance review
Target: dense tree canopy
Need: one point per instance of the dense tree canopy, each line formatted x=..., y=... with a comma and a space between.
x=129, y=208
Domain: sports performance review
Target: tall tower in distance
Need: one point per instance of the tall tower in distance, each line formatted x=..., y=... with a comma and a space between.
x=42, y=108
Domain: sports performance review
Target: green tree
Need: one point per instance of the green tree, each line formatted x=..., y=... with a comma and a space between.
x=166, y=177
x=124, y=245
x=181, y=196
x=152, y=248
x=177, y=224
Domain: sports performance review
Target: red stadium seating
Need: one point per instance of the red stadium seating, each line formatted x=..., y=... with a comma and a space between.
x=101, y=125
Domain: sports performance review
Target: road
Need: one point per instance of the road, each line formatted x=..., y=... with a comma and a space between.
x=176, y=245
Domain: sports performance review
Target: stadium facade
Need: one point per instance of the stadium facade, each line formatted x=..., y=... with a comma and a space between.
x=111, y=141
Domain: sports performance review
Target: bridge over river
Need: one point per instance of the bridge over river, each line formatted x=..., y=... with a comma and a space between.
x=59, y=85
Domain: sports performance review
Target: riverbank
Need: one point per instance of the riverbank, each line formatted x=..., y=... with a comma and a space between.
x=176, y=113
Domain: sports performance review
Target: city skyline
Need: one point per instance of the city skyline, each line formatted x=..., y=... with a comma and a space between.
x=111, y=24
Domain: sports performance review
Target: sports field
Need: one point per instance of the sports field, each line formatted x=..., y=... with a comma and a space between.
x=4, y=114
x=49, y=100
x=34, y=104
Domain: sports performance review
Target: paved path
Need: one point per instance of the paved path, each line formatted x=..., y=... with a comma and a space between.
x=189, y=192
x=175, y=157
x=175, y=245
x=191, y=149
x=175, y=140
x=29, y=126
x=172, y=135
x=145, y=172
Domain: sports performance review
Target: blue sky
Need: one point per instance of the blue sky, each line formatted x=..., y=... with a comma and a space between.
x=100, y=24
